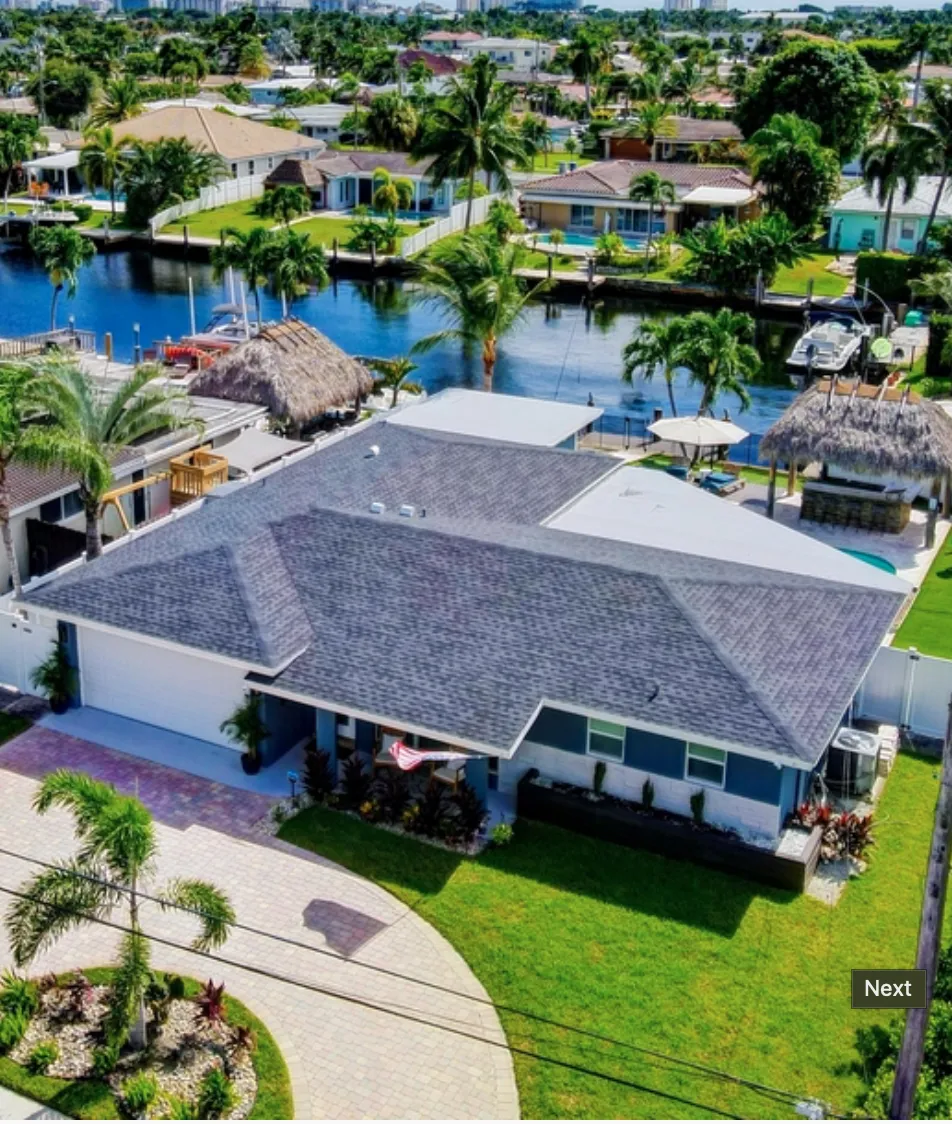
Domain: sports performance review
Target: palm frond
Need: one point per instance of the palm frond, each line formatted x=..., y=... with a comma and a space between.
x=207, y=903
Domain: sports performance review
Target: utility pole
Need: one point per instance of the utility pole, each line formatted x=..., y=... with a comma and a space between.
x=930, y=941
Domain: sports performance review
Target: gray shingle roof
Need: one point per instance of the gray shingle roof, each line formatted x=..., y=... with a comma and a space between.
x=461, y=622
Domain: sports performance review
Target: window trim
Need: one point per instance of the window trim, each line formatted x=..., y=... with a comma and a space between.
x=589, y=752
x=688, y=746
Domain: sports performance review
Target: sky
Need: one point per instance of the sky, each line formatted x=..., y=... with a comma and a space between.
x=765, y=6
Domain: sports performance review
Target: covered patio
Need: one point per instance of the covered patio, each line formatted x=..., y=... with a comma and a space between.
x=59, y=172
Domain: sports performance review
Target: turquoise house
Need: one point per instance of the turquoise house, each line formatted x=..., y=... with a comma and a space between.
x=857, y=219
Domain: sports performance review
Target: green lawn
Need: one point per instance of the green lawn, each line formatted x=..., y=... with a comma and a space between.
x=657, y=953
x=322, y=229
x=928, y=624
x=752, y=473
x=93, y=1100
x=550, y=162
x=825, y=284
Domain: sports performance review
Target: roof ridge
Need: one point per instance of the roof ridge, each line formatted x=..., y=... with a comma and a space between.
x=754, y=692
x=268, y=633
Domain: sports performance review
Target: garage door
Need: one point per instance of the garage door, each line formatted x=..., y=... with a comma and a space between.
x=180, y=692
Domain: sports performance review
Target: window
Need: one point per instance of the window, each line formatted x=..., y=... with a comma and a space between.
x=706, y=765
x=606, y=739
x=251, y=167
x=581, y=215
x=63, y=507
x=907, y=231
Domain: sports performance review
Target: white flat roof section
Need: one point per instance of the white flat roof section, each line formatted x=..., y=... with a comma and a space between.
x=497, y=417
x=718, y=196
x=648, y=507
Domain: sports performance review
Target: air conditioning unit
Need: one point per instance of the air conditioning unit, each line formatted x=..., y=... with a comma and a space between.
x=853, y=762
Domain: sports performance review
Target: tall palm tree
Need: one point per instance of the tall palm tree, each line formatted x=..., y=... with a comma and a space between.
x=887, y=167
x=475, y=285
x=652, y=121
x=285, y=202
x=392, y=122
x=62, y=252
x=929, y=143
x=656, y=345
x=115, y=860
x=121, y=99
x=589, y=52
x=799, y=174
x=719, y=355
x=919, y=39
x=96, y=424
x=394, y=375
x=536, y=136
x=251, y=253
x=650, y=188
x=16, y=145
x=102, y=161
x=684, y=83
x=297, y=264
x=471, y=131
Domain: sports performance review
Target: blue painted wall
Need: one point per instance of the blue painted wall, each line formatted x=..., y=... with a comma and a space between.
x=560, y=730
x=288, y=723
x=363, y=737
x=654, y=753
x=791, y=785
x=752, y=778
x=67, y=636
x=477, y=775
x=326, y=734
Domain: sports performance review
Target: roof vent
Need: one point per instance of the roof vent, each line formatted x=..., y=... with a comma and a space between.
x=374, y=451
x=408, y=510
x=378, y=508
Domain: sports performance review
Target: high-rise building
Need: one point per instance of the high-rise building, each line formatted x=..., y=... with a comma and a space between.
x=678, y=5
x=712, y=5
x=464, y=7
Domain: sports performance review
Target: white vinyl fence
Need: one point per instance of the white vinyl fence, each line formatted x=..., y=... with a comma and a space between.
x=25, y=640
x=218, y=195
x=905, y=688
x=454, y=222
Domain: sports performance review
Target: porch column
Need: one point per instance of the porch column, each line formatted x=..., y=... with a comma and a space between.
x=326, y=736
x=416, y=196
x=792, y=479
x=477, y=776
x=772, y=488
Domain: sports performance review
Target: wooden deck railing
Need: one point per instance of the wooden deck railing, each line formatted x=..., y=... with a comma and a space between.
x=71, y=339
x=195, y=474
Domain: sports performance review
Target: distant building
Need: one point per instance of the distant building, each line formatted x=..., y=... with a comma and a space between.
x=519, y=54
x=678, y=5
x=712, y=5
x=449, y=42
x=467, y=6
x=206, y=7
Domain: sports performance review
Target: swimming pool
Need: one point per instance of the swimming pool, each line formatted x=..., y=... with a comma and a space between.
x=870, y=559
x=589, y=240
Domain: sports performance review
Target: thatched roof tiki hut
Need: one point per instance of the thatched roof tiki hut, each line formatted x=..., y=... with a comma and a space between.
x=291, y=368
x=877, y=446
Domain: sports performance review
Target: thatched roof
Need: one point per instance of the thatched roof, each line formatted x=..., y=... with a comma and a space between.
x=880, y=430
x=289, y=367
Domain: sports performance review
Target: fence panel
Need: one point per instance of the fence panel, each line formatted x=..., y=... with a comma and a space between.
x=929, y=701
x=217, y=195
x=880, y=698
x=451, y=224
x=907, y=689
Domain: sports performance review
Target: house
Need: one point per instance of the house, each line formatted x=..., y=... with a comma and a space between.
x=594, y=199
x=529, y=607
x=441, y=65
x=448, y=42
x=317, y=122
x=685, y=140
x=341, y=180
x=47, y=520
x=857, y=218
x=247, y=147
x=514, y=54
x=271, y=90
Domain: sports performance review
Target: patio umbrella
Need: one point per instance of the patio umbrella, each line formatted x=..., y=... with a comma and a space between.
x=700, y=432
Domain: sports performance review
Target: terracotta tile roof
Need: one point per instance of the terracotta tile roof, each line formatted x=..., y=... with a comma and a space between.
x=450, y=37
x=612, y=178
x=339, y=163
x=692, y=130
x=441, y=65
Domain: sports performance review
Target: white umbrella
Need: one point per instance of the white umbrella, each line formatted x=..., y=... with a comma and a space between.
x=701, y=432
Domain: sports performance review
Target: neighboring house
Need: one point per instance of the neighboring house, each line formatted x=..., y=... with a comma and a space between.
x=318, y=122
x=58, y=171
x=856, y=219
x=594, y=199
x=211, y=101
x=47, y=520
x=531, y=607
x=341, y=180
x=271, y=91
x=515, y=54
x=686, y=141
x=931, y=72
x=448, y=42
x=560, y=129
x=441, y=65
x=247, y=147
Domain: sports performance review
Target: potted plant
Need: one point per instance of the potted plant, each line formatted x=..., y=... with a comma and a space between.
x=245, y=727
x=55, y=677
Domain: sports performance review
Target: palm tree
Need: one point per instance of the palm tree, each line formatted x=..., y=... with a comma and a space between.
x=97, y=424
x=102, y=161
x=475, y=284
x=919, y=39
x=887, y=167
x=650, y=188
x=394, y=376
x=799, y=174
x=297, y=263
x=471, y=131
x=116, y=856
x=929, y=144
x=717, y=353
x=252, y=253
x=656, y=344
x=684, y=82
x=346, y=87
x=392, y=122
x=391, y=195
x=652, y=120
x=354, y=123
x=588, y=54
x=16, y=145
x=62, y=252
x=121, y=100
x=536, y=136
x=285, y=202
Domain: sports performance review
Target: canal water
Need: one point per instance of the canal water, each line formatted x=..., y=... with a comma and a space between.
x=560, y=352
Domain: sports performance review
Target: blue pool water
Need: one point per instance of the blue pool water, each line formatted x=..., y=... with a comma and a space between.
x=633, y=242
x=870, y=559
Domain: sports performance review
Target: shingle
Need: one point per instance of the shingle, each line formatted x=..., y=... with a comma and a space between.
x=613, y=177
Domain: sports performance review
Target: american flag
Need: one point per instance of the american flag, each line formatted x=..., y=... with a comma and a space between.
x=408, y=758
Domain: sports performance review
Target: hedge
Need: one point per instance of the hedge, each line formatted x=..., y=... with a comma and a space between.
x=887, y=274
x=940, y=325
x=884, y=55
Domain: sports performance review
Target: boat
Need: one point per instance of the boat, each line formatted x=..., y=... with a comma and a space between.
x=227, y=328
x=828, y=346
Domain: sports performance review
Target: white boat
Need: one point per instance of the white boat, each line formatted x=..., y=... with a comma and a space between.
x=828, y=347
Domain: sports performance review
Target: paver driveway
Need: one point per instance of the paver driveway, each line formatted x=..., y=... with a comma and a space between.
x=416, y=1059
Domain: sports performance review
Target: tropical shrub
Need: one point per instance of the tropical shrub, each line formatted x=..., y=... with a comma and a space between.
x=937, y=357
x=503, y=219
x=82, y=211
x=730, y=257
x=368, y=232
x=598, y=780
x=319, y=779
x=391, y=792
x=609, y=249
x=428, y=814
x=12, y=1029
x=884, y=55
x=211, y=1002
x=105, y=1060
x=18, y=996
x=647, y=793
x=697, y=806
x=887, y=274
x=176, y=986
x=246, y=728
x=55, y=677
x=355, y=782
x=501, y=834
x=216, y=1096
x=139, y=1093
x=469, y=813
x=42, y=1056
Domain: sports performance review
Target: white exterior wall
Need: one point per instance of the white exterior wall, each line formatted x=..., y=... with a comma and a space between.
x=25, y=641
x=161, y=686
x=720, y=808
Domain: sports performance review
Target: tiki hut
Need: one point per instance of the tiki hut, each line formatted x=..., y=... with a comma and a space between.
x=291, y=368
x=877, y=446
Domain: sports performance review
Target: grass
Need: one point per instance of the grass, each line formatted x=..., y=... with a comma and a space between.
x=325, y=230
x=928, y=624
x=751, y=473
x=551, y=160
x=661, y=954
x=11, y=725
x=90, y=1099
x=796, y=278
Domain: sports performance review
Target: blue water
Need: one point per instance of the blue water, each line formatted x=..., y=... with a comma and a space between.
x=870, y=559
x=590, y=240
x=560, y=351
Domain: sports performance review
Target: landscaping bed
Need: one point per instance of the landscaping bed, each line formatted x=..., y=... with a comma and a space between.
x=208, y=1056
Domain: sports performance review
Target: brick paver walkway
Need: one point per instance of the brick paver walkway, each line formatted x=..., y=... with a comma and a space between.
x=426, y=1055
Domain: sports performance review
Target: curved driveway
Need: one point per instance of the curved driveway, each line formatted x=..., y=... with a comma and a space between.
x=426, y=1054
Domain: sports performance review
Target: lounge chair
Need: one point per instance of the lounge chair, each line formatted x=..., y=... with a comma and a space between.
x=722, y=483
x=452, y=773
x=383, y=758
x=680, y=471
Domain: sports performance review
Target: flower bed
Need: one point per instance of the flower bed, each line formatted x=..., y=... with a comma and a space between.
x=205, y=1056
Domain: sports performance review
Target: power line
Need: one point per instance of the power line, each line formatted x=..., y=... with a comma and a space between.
x=359, y=1001
x=767, y=1091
